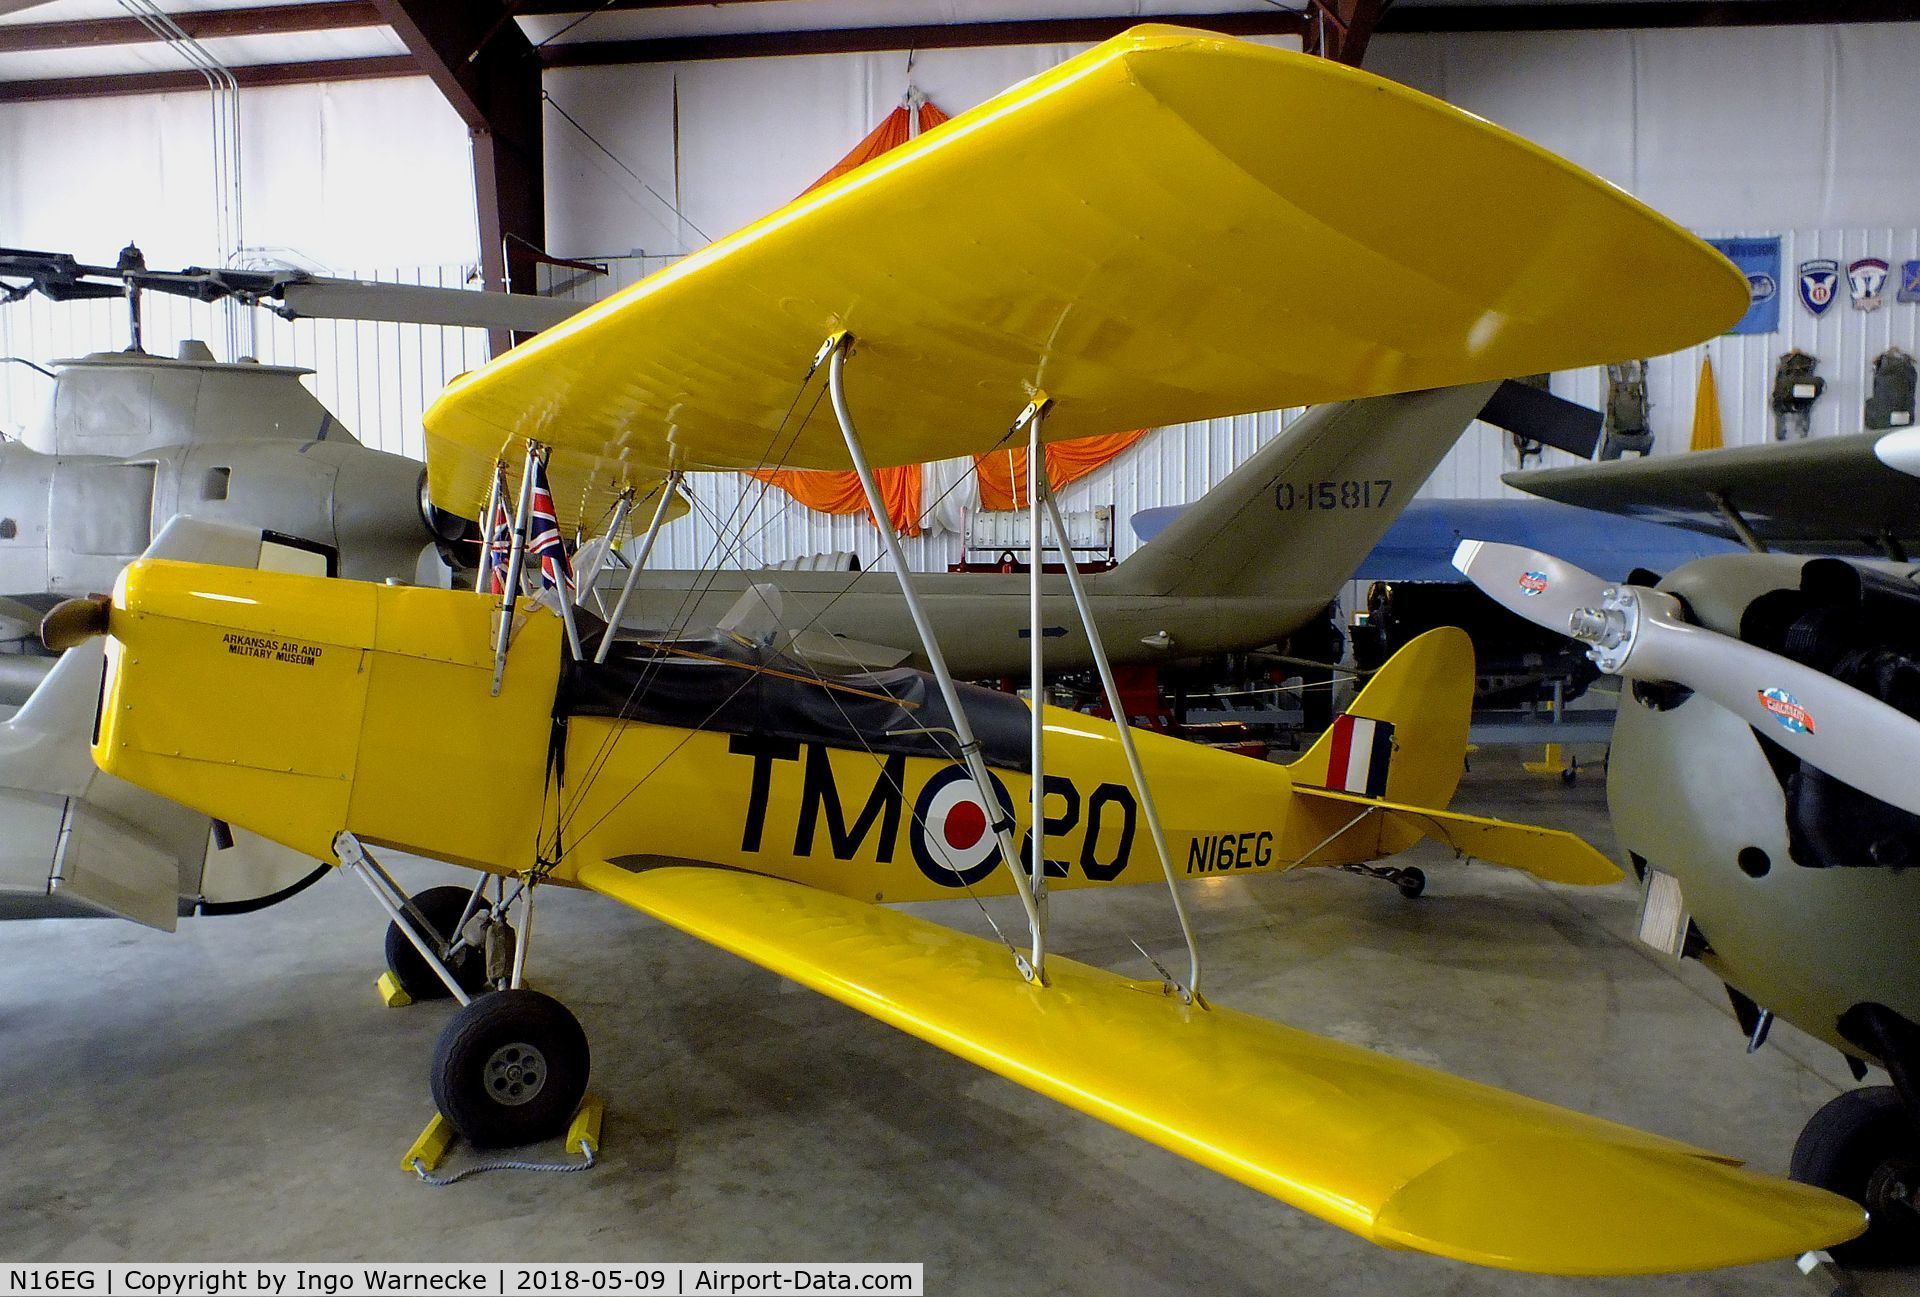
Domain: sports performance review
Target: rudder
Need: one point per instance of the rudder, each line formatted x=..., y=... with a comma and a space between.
x=1404, y=739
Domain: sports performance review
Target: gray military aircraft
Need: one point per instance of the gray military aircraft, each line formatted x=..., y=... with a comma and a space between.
x=1762, y=776
x=1255, y=559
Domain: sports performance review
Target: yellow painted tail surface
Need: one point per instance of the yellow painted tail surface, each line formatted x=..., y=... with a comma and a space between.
x=1425, y=692
x=1381, y=777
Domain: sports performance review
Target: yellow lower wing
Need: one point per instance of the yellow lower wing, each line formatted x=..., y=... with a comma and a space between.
x=1552, y=854
x=1399, y=1154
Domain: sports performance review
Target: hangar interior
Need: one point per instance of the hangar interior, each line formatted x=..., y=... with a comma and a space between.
x=235, y=1088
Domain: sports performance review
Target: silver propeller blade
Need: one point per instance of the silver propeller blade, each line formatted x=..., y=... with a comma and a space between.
x=1641, y=634
x=1529, y=584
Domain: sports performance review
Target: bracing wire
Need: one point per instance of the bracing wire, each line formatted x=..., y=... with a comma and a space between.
x=664, y=201
x=689, y=603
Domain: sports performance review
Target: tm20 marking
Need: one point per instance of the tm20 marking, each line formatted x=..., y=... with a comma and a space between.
x=1331, y=495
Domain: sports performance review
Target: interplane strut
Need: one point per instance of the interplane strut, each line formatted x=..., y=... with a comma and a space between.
x=1033, y=966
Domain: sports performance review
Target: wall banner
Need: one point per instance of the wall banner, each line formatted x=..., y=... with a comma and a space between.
x=1759, y=261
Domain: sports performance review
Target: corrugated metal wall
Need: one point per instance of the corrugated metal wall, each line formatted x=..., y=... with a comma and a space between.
x=379, y=377
x=1846, y=342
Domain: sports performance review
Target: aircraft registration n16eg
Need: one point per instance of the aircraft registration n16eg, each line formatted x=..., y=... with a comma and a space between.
x=1122, y=241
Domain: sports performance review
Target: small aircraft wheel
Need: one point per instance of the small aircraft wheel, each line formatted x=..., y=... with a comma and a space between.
x=1863, y=1145
x=442, y=908
x=510, y=1069
x=1570, y=776
x=1411, y=881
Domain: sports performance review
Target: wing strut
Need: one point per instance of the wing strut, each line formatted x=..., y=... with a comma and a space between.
x=1039, y=494
x=516, y=557
x=1033, y=965
x=583, y=581
x=1034, y=416
x=668, y=489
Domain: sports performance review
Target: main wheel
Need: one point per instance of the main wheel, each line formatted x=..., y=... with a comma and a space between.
x=510, y=1069
x=1411, y=881
x=442, y=908
x=1863, y=1145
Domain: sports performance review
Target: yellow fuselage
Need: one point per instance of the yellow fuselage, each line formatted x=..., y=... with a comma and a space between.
x=298, y=707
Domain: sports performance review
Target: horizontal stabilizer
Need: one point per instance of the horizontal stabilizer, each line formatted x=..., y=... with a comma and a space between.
x=1550, y=854
x=1399, y=1154
x=1539, y=415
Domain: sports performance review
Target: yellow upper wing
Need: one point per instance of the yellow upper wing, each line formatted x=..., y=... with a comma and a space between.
x=1397, y=1153
x=1172, y=226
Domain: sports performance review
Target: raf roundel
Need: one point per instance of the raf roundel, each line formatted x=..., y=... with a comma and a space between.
x=952, y=832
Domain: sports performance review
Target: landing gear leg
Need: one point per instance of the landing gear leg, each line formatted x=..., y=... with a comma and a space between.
x=462, y=929
x=1411, y=880
x=511, y=1066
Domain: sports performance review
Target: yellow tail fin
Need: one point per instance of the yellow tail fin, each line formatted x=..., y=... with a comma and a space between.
x=1382, y=775
x=1405, y=737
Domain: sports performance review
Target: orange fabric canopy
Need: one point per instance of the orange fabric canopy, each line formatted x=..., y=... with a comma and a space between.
x=840, y=492
x=1003, y=474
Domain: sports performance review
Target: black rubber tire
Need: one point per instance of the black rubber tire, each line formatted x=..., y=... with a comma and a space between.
x=494, y=1045
x=1412, y=881
x=1570, y=776
x=1855, y=1136
x=442, y=908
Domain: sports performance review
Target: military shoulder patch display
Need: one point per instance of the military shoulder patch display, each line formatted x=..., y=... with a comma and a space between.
x=1867, y=282
x=1909, y=282
x=1818, y=280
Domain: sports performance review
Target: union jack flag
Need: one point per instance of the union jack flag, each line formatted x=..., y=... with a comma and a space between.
x=543, y=536
x=499, y=534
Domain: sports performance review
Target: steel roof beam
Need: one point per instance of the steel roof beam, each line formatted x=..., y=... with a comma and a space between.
x=925, y=36
x=1646, y=14
x=486, y=67
x=256, y=74
x=204, y=24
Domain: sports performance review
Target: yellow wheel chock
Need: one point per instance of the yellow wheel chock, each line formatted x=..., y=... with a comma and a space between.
x=424, y=1156
x=391, y=993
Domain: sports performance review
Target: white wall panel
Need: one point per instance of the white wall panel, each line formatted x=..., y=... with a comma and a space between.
x=1789, y=127
x=353, y=173
x=752, y=133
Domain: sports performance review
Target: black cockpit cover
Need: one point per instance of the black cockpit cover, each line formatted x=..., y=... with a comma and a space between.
x=733, y=686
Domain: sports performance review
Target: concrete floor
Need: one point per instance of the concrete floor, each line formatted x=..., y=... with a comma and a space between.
x=235, y=1091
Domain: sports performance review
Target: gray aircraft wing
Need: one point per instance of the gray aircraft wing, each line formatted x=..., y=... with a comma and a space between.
x=1855, y=494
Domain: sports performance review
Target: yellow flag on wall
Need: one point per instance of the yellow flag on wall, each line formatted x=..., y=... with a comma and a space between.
x=1706, y=411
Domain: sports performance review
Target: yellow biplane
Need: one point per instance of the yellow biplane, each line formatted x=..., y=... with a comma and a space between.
x=1170, y=227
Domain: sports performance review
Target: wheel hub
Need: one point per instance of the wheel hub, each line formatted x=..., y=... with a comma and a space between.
x=514, y=1074
x=1892, y=1186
